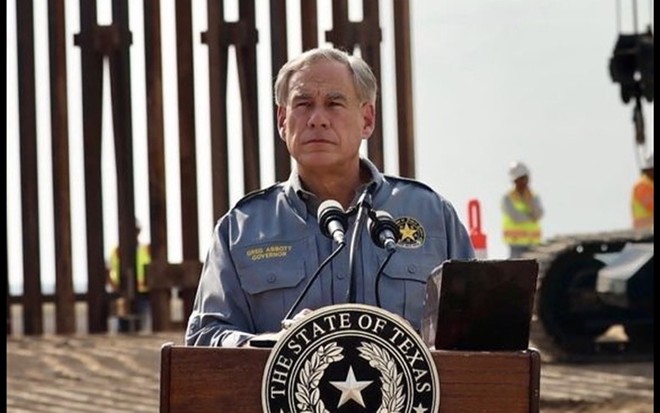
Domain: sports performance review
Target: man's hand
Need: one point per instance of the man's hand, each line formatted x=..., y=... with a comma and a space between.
x=296, y=318
x=269, y=339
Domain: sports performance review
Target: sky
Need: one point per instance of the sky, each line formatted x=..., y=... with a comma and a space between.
x=493, y=81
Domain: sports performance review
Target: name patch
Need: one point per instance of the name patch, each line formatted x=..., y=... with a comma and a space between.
x=271, y=251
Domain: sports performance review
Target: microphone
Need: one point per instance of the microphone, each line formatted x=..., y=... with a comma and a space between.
x=383, y=230
x=332, y=220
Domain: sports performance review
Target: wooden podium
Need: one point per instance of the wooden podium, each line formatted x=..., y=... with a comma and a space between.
x=228, y=380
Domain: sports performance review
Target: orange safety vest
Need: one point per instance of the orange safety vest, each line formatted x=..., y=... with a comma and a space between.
x=642, y=203
x=521, y=233
x=142, y=258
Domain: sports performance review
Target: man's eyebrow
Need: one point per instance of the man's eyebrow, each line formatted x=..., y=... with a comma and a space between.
x=336, y=96
x=297, y=97
x=300, y=94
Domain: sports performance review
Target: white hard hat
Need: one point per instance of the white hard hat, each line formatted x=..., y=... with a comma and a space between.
x=517, y=169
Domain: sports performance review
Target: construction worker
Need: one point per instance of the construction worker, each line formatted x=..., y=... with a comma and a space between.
x=142, y=258
x=642, y=196
x=521, y=212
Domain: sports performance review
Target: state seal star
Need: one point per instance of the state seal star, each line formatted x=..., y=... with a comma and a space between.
x=420, y=409
x=408, y=233
x=351, y=389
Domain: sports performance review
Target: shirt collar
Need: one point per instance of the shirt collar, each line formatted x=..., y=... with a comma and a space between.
x=305, y=202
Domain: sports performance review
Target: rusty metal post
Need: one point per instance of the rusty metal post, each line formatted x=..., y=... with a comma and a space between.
x=218, y=55
x=187, y=147
x=404, y=92
x=278, y=47
x=309, y=24
x=32, y=301
x=65, y=315
x=92, y=94
x=118, y=53
x=245, y=38
x=159, y=301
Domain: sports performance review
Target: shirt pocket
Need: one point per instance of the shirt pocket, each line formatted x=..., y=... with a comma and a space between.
x=402, y=287
x=272, y=275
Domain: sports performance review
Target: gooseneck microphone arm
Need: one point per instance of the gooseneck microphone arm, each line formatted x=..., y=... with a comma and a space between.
x=385, y=234
x=364, y=206
x=378, y=274
x=311, y=280
x=333, y=222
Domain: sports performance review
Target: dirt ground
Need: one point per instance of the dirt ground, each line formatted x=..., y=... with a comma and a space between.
x=621, y=406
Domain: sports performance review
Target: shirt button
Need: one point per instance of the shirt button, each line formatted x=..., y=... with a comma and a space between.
x=340, y=276
x=271, y=278
x=412, y=269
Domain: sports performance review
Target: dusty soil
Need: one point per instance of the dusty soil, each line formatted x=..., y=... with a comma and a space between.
x=619, y=406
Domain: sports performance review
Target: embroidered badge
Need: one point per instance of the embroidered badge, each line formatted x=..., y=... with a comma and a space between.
x=412, y=232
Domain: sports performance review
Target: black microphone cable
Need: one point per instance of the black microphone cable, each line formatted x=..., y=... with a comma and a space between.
x=380, y=272
x=311, y=280
x=385, y=234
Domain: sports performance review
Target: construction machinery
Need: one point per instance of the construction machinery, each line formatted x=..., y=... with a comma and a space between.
x=589, y=283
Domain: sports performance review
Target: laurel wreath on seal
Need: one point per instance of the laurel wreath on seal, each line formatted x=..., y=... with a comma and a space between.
x=392, y=390
x=307, y=393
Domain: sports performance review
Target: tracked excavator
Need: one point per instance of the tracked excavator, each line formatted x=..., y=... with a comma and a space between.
x=589, y=283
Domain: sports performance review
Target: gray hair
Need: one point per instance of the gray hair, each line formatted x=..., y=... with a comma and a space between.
x=363, y=78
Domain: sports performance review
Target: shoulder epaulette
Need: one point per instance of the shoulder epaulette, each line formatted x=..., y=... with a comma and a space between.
x=409, y=180
x=256, y=193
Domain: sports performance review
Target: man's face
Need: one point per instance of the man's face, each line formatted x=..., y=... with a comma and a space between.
x=522, y=182
x=324, y=121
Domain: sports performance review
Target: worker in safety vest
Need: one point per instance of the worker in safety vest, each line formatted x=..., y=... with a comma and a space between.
x=642, y=196
x=142, y=258
x=521, y=212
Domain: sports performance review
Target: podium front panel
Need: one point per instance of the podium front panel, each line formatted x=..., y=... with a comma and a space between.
x=228, y=380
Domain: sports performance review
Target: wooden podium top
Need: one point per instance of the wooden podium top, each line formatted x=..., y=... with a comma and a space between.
x=228, y=380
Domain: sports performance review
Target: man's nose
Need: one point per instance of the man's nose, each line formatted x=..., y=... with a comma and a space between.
x=318, y=118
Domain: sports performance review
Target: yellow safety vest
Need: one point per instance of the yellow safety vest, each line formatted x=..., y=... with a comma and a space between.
x=142, y=258
x=642, y=203
x=520, y=233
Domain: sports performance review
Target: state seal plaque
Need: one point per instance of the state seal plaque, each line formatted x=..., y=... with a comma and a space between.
x=350, y=358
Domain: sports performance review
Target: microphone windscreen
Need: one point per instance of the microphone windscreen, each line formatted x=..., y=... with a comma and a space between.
x=329, y=206
x=331, y=211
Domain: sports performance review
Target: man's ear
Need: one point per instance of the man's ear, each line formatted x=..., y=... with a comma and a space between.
x=281, y=120
x=369, y=118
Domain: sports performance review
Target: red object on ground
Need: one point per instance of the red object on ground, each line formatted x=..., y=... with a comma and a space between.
x=474, y=223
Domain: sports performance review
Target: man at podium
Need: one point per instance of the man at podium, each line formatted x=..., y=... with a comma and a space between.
x=280, y=248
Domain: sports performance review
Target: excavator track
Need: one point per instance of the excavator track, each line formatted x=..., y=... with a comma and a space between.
x=570, y=322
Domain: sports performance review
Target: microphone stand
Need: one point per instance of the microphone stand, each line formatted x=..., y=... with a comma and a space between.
x=364, y=205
